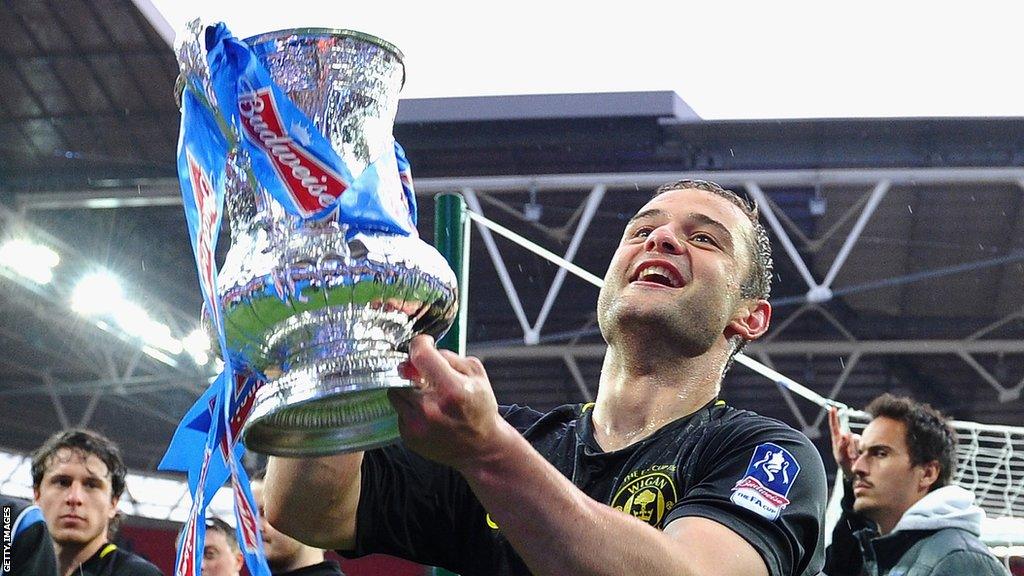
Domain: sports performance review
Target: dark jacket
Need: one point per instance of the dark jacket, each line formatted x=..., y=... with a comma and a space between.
x=937, y=536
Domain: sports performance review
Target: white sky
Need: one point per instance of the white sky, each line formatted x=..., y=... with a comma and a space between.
x=727, y=60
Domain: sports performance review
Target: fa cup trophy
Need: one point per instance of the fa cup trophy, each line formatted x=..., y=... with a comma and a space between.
x=326, y=280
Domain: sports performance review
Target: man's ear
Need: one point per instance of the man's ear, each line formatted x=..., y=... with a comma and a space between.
x=930, y=475
x=113, y=508
x=750, y=320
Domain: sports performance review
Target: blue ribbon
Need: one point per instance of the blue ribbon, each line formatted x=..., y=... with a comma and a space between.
x=291, y=159
x=211, y=426
x=298, y=167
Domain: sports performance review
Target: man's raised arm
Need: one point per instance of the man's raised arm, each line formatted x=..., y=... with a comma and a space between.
x=556, y=528
x=314, y=500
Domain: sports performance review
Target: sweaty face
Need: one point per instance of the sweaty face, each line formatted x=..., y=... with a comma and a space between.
x=76, y=498
x=677, y=271
x=219, y=559
x=280, y=549
x=885, y=483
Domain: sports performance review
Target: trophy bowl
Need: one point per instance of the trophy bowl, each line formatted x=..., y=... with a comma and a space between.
x=324, y=308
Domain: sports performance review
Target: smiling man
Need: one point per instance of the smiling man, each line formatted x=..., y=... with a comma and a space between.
x=658, y=476
x=78, y=477
x=901, y=516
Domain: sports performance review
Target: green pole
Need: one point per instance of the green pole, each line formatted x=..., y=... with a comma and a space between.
x=451, y=237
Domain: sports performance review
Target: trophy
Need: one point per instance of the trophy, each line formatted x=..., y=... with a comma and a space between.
x=322, y=305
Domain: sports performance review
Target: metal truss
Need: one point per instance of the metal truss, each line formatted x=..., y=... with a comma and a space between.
x=818, y=292
x=481, y=191
x=107, y=364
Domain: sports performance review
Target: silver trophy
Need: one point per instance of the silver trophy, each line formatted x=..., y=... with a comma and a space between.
x=324, y=313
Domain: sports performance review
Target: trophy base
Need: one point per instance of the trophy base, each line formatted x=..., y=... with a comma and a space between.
x=308, y=413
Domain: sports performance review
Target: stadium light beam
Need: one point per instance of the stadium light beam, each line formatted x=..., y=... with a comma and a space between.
x=29, y=259
x=97, y=293
x=197, y=345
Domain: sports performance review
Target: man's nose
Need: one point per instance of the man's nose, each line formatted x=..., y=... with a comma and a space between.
x=74, y=493
x=860, y=466
x=661, y=239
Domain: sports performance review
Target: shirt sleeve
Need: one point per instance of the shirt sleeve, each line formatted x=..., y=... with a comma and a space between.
x=766, y=482
x=33, y=552
x=407, y=506
x=416, y=509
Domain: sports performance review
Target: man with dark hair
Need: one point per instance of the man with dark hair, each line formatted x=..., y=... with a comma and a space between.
x=901, y=515
x=78, y=477
x=31, y=548
x=222, y=556
x=287, y=556
x=658, y=476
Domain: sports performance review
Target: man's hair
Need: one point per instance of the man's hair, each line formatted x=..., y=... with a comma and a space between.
x=758, y=281
x=259, y=475
x=218, y=525
x=84, y=442
x=929, y=435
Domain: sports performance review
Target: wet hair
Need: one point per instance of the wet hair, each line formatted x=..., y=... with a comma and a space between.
x=929, y=435
x=218, y=525
x=84, y=442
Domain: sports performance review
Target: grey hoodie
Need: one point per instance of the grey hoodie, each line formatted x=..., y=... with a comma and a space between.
x=946, y=507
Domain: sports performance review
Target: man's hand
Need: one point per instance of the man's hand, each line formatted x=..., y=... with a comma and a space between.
x=451, y=416
x=845, y=445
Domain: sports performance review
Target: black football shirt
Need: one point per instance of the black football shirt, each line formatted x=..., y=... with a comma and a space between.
x=753, y=474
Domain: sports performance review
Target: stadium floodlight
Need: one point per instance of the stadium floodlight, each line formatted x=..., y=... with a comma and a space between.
x=97, y=293
x=29, y=259
x=132, y=318
x=136, y=322
x=158, y=334
x=197, y=344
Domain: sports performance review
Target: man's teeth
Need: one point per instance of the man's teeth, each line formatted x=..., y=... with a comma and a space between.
x=661, y=273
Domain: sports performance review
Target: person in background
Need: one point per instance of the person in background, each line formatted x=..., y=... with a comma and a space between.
x=287, y=556
x=658, y=476
x=78, y=477
x=901, y=516
x=222, y=556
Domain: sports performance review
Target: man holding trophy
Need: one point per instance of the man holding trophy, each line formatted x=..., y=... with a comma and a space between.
x=706, y=489
x=326, y=287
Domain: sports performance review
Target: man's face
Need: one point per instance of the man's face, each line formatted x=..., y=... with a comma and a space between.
x=219, y=559
x=678, y=271
x=280, y=549
x=885, y=482
x=76, y=498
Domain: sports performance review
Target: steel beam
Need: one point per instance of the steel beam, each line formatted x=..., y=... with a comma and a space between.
x=164, y=191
